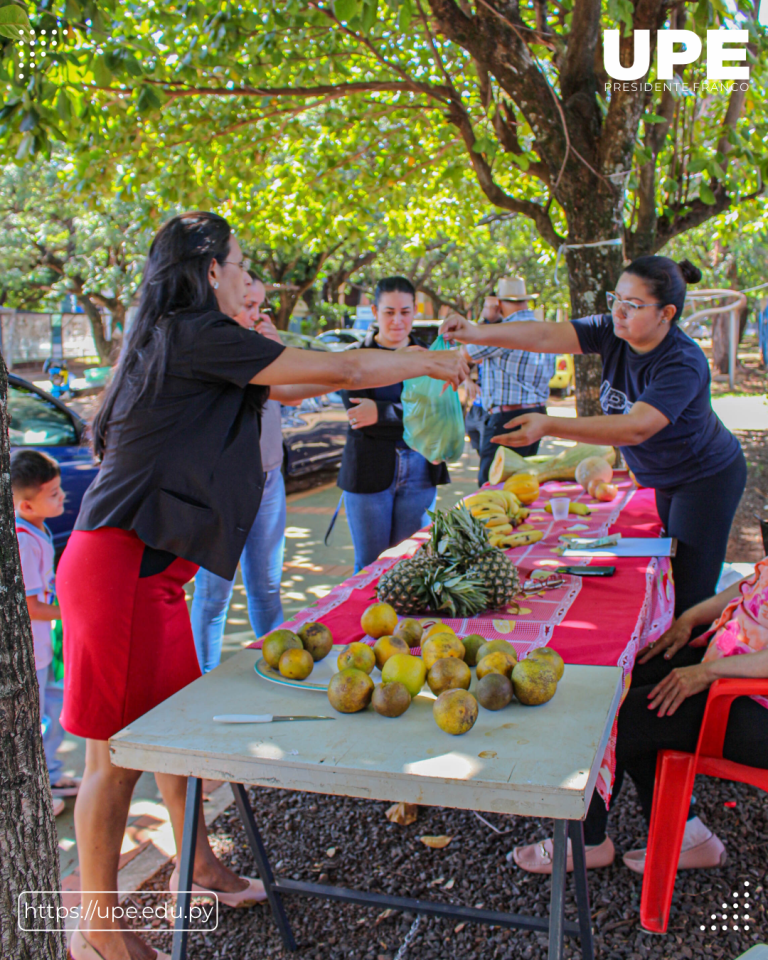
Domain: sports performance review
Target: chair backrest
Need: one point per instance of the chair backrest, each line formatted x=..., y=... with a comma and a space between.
x=722, y=693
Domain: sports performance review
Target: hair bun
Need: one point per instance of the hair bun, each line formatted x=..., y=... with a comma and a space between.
x=690, y=272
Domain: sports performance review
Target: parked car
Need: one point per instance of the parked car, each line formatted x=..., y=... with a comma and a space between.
x=314, y=434
x=340, y=339
x=39, y=420
x=563, y=378
x=301, y=340
x=315, y=431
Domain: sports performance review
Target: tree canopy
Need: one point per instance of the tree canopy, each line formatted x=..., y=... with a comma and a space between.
x=335, y=108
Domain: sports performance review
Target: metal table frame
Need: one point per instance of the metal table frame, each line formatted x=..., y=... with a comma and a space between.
x=557, y=926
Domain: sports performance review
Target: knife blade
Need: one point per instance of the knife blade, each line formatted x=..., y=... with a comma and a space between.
x=260, y=718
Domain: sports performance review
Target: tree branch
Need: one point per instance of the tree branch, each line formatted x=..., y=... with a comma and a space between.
x=697, y=213
x=577, y=74
x=321, y=90
x=458, y=116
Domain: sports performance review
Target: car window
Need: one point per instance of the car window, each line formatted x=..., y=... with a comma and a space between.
x=36, y=422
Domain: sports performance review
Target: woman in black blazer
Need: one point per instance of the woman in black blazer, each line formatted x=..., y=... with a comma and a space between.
x=388, y=487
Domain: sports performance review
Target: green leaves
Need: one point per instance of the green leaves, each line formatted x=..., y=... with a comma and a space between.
x=149, y=99
x=14, y=22
x=346, y=10
x=621, y=11
x=706, y=195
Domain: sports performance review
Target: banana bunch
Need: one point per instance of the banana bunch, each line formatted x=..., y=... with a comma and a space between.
x=501, y=511
x=580, y=509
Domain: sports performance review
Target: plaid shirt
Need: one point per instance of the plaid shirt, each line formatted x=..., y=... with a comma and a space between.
x=514, y=376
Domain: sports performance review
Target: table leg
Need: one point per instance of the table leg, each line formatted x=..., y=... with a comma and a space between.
x=576, y=831
x=262, y=862
x=186, y=868
x=557, y=898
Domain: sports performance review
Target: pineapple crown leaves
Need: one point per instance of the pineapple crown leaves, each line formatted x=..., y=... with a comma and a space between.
x=456, y=536
x=453, y=593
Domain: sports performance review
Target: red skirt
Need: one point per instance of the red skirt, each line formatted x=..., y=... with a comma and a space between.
x=127, y=640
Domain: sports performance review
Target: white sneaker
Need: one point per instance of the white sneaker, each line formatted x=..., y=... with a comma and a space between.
x=58, y=806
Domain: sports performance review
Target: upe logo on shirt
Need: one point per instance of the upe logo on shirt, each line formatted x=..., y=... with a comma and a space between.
x=723, y=49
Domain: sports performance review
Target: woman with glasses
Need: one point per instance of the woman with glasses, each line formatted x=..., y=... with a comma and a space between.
x=180, y=484
x=656, y=401
x=655, y=397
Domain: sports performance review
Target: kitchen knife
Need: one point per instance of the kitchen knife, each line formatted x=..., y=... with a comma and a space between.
x=260, y=718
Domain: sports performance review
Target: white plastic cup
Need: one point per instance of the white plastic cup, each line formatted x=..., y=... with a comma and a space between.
x=560, y=507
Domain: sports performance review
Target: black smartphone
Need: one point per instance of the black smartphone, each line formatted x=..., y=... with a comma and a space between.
x=588, y=571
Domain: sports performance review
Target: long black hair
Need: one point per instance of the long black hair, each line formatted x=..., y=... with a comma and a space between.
x=666, y=279
x=175, y=282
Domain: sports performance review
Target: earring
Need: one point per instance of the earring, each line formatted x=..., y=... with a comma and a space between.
x=215, y=284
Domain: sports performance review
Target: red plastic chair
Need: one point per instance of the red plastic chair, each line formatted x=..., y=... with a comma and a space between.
x=675, y=771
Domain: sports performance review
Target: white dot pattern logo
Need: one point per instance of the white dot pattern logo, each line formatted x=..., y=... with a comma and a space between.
x=33, y=48
x=735, y=915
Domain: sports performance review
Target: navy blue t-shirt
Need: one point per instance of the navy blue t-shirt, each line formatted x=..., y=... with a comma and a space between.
x=673, y=378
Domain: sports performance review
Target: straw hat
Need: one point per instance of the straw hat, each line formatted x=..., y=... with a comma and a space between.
x=513, y=288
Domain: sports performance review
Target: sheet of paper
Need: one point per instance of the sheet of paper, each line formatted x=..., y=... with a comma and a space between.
x=629, y=547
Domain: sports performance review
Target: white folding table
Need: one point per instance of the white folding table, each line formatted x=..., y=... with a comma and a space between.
x=530, y=761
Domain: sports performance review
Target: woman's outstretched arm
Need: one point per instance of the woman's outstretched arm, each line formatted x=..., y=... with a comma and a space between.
x=532, y=335
x=355, y=369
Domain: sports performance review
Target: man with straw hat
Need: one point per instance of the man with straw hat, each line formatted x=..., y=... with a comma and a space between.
x=513, y=381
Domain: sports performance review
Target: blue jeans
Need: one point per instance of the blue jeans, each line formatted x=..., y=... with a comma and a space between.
x=51, y=701
x=261, y=566
x=378, y=521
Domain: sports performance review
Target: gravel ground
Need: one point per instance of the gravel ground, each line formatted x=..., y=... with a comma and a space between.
x=350, y=843
x=745, y=543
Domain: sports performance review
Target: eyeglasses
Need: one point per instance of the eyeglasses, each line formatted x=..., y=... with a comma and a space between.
x=243, y=264
x=625, y=307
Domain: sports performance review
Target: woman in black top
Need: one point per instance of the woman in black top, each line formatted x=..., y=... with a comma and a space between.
x=387, y=486
x=179, y=486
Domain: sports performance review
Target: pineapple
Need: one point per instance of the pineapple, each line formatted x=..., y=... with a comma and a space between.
x=401, y=585
x=498, y=576
x=457, y=573
x=418, y=587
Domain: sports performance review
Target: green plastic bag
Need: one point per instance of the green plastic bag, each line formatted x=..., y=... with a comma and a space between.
x=57, y=641
x=432, y=417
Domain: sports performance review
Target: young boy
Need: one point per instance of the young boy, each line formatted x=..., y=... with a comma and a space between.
x=37, y=496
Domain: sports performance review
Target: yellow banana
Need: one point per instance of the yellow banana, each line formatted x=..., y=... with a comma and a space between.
x=500, y=531
x=513, y=504
x=497, y=521
x=485, y=498
x=522, y=539
x=523, y=513
x=580, y=509
x=483, y=513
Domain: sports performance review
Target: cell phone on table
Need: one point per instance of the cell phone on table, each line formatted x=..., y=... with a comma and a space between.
x=588, y=571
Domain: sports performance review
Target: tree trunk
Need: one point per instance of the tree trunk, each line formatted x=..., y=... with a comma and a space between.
x=103, y=346
x=29, y=857
x=288, y=300
x=592, y=272
x=721, y=338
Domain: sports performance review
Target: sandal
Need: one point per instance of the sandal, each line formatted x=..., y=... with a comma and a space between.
x=66, y=787
x=254, y=893
x=537, y=857
x=702, y=850
x=81, y=949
